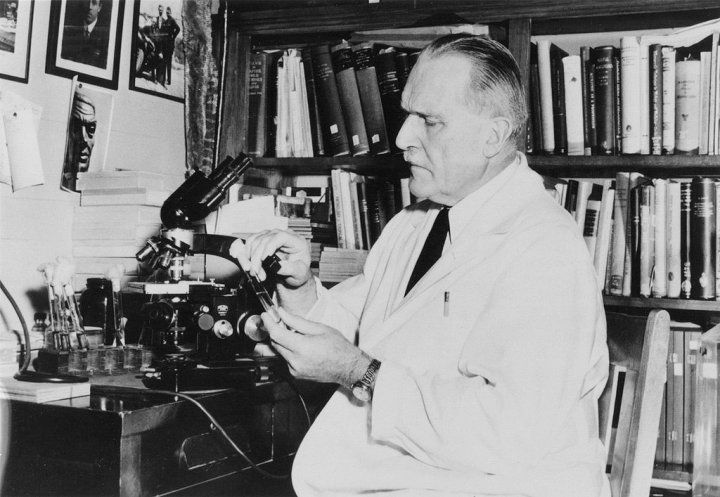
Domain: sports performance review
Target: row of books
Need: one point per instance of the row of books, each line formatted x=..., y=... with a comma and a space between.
x=649, y=237
x=652, y=95
x=326, y=100
x=362, y=206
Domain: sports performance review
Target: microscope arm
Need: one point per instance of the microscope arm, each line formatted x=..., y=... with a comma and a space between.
x=218, y=245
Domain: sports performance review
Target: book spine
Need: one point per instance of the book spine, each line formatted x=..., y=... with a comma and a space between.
x=364, y=211
x=674, y=264
x=646, y=247
x=635, y=208
x=644, y=99
x=350, y=211
x=257, y=108
x=588, y=123
x=571, y=196
x=618, y=107
x=370, y=100
x=591, y=106
x=331, y=117
x=343, y=65
x=390, y=94
x=656, y=99
x=630, y=88
x=546, y=96
x=629, y=265
x=604, y=237
x=573, y=105
x=338, y=209
x=675, y=456
x=558, y=100
x=687, y=107
x=402, y=64
x=714, y=87
x=592, y=218
x=717, y=242
x=702, y=239
x=535, y=99
x=685, y=240
x=668, y=123
x=605, y=99
x=312, y=99
x=704, y=125
x=659, y=273
x=692, y=350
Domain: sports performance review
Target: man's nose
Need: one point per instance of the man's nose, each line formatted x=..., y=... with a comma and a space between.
x=406, y=135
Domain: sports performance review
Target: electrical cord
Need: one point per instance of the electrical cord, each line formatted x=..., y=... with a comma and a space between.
x=218, y=426
x=26, y=332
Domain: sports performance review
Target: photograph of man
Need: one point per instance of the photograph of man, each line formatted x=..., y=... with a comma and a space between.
x=86, y=32
x=169, y=31
x=80, y=140
x=471, y=351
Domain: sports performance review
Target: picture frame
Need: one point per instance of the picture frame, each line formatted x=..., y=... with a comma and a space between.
x=15, y=36
x=89, y=51
x=155, y=43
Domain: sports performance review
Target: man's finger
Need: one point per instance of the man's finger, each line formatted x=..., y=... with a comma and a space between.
x=238, y=251
x=279, y=333
x=301, y=325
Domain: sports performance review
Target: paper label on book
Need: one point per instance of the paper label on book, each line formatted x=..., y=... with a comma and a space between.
x=334, y=129
x=709, y=370
x=356, y=140
x=678, y=369
x=375, y=138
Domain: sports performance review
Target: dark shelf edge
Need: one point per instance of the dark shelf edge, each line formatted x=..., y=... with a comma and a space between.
x=653, y=303
x=390, y=164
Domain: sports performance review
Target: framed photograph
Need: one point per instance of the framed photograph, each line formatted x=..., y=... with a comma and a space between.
x=15, y=34
x=88, y=132
x=157, y=64
x=84, y=40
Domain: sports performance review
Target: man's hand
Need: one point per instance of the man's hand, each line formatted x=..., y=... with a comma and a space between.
x=293, y=251
x=314, y=351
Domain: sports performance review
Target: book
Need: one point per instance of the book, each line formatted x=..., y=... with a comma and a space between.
x=124, y=178
x=631, y=251
x=607, y=403
x=335, y=135
x=402, y=65
x=312, y=99
x=124, y=196
x=605, y=98
x=592, y=217
x=338, y=209
x=604, y=231
x=668, y=123
x=360, y=184
x=589, y=114
x=546, y=96
x=343, y=65
x=571, y=197
x=672, y=230
x=618, y=105
x=258, y=81
x=692, y=335
x=572, y=80
x=656, y=99
x=558, y=98
x=685, y=240
x=534, y=103
x=103, y=231
x=704, y=126
x=702, y=238
x=659, y=272
x=349, y=187
x=13, y=389
x=644, y=98
x=645, y=244
x=687, y=107
x=390, y=93
x=120, y=214
x=370, y=98
x=620, y=215
x=630, y=87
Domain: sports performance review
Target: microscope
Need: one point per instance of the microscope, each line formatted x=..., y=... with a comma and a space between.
x=203, y=335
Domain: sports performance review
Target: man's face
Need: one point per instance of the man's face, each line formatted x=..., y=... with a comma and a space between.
x=82, y=134
x=160, y=10
x=93, y=9
x=443, y=136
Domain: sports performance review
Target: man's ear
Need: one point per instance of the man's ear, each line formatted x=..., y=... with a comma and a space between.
x=498, y=135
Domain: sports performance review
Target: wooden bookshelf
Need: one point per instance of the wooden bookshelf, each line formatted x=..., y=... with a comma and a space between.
x=598, y=166
x=387, y=165
x=668, y=304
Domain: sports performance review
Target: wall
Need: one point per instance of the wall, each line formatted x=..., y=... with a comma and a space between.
x=147, y=133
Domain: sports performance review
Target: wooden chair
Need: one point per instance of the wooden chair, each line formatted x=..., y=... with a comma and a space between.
x=629, y=409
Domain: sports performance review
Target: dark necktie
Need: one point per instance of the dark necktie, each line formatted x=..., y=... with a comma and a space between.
x=432, y=250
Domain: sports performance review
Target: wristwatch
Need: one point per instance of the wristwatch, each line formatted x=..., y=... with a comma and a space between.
x=363, y=388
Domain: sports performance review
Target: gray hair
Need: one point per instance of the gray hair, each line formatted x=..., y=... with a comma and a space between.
x=494, y=78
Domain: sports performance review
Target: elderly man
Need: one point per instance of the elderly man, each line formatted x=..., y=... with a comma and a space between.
x=470, y=353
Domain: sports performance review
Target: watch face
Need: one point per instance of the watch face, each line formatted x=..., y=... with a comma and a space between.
x=362, y=393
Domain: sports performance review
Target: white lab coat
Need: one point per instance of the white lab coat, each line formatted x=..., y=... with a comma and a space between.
x=493, y=393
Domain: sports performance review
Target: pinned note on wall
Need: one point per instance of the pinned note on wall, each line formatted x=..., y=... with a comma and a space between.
x=20, y=161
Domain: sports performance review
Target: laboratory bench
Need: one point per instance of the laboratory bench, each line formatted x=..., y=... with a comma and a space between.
x=121, y=442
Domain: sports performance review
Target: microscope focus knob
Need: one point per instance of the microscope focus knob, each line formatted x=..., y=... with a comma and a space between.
x=223, y=329
x=205, y=321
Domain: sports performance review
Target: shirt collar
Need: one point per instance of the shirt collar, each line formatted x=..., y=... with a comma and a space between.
x=89, y=28
x=461, y=213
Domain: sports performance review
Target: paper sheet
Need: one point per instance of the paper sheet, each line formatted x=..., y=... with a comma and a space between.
x=23, y=150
